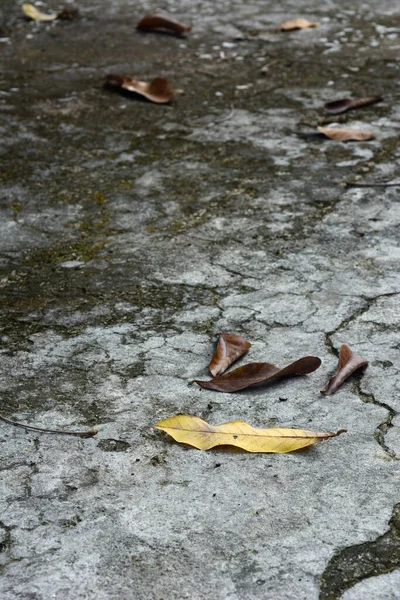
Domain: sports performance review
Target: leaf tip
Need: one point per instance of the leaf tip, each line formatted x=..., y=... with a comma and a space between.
x=325, y=391
x=309, y=364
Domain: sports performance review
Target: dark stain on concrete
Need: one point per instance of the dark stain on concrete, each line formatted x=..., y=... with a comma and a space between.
x=110, y=445
x=355, y=563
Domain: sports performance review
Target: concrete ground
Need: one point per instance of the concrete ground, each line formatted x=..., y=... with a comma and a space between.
x=130, y=234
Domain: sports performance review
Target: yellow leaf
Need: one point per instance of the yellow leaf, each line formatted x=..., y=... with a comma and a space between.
x=35, y=14
x=293, y=24
x=191, y=430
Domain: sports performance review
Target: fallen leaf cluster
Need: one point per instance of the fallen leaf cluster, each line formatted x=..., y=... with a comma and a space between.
x=158, y=90
x=346, y=134
x=192, y=430
x=336, y=107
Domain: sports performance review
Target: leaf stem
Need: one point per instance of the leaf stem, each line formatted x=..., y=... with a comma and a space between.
x=339, y=431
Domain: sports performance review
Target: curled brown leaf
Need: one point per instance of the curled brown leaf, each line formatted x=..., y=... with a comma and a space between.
x=254, y=373
x=348, y=363
x=293, y=24
x=339, y=134
x=229, y=348
x=162, y=23
x=344, y=104
x=158, y=90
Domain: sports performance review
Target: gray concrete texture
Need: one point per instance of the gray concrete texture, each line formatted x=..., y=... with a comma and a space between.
x=130, y=234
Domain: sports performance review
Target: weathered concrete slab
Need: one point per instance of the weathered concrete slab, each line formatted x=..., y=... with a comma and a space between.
x=130, y=234
x=388, y=586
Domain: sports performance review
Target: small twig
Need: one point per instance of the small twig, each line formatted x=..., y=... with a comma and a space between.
x=82, y=434
x=227, y=116
x=389, y=184
x=217, y=121
x=208, y=73
x=266, y=67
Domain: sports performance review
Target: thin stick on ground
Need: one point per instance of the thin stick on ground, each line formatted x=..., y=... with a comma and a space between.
x=82, y=434
x=222, y=119
x=388, y=184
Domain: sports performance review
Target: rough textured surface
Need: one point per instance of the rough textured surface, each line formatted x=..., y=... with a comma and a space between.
x=388, y=586
x=130, y=234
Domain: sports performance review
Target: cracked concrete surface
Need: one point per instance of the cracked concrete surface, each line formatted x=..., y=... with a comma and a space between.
x=130, y=234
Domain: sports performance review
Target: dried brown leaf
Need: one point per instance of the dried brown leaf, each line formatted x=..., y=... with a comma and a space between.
x=339, y=134
x=344, y=104
x=162, y=23
x=293, y=24
x=230, y=347
x=158, y=90
x=253, y=373
x=348, y=363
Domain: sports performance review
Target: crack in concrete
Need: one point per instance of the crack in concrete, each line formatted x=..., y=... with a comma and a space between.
x=368, y=398
x=258, y=185
x=15, y=465
x=329, y=334
x=5, y=543
x=353, y=317
x=383, y=428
